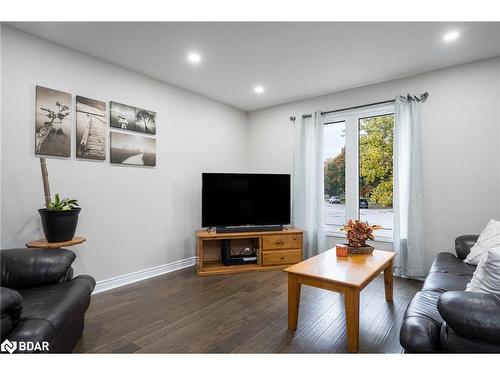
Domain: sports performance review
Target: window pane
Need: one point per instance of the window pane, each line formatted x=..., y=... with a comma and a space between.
x=375, y=172
x=334, y=169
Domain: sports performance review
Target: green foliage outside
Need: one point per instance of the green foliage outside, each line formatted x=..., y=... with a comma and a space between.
x=334, y=170
x=375, y=160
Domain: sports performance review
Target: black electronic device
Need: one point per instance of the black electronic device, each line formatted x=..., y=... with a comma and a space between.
x=234, y=202
x=240, y=259
x=250, y=228
x=225, y=252
x=228, y=259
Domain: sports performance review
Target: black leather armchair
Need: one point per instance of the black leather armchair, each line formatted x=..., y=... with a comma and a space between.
x=39, y=298
x=442, y=317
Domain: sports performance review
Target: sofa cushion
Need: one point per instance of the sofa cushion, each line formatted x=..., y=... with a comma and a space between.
x=422, y=323
x=448, y=273
x=56, y=304
x=489, y=237
x=445, y=282
x=447, y=262
x=486, y=279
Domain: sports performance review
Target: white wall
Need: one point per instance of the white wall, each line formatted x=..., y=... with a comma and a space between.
x=134, y=218
x=461, y=135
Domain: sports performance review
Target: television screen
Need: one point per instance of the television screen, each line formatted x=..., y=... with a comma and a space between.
x=232, y=199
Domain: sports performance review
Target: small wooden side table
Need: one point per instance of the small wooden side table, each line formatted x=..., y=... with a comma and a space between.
x=44, y=244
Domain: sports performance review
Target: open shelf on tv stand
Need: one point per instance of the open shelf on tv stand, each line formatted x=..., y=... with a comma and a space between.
x=277, y=250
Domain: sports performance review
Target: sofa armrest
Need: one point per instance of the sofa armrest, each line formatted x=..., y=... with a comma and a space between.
x=10, y=302
x=472, y=315
x=463, y=244
x=11, y=305
x=68, y=276
x=23, y=268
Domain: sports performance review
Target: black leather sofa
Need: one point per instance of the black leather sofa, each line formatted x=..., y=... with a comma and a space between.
x=442, y=317
x=40, y=300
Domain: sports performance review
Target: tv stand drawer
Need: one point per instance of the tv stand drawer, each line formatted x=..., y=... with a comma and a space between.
x=281, y=257
x=282, y=241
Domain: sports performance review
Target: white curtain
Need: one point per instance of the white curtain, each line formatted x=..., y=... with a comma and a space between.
x=408, y=188
x=308, y=184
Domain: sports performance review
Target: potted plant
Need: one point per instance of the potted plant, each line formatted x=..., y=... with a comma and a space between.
x=59, y=219
x=358, y=232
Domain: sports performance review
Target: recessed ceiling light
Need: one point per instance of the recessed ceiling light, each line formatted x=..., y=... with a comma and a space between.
x=259, y=89
x=194, y=57
x=450, y=36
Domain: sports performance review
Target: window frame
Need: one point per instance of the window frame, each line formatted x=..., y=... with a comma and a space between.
x=352, y=118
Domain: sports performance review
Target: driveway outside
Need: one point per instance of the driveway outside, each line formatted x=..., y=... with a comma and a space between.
x=335, y=217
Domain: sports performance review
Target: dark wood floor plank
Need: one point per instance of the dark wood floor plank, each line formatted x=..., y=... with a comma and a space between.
x=275, y=337
x=139, y=312
x=239, y=313
x=334, y=338
x=224, y=311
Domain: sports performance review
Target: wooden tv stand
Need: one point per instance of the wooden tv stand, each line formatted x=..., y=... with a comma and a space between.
x=276, y=250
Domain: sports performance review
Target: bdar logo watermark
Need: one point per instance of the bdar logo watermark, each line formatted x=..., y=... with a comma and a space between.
x=8, y=346
x=24, y=346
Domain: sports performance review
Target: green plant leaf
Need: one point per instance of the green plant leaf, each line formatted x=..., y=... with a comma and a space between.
x=62, y=205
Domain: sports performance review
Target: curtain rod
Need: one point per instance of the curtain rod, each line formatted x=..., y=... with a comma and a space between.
x=423, y=97
x=347, y=108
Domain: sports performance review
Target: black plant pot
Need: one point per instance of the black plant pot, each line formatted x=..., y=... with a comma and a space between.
x=59, y=226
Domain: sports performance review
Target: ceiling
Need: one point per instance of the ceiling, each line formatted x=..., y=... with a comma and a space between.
x=292, y=60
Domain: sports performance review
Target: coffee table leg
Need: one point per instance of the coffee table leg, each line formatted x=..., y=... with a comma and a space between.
x=293, y=301
x=351, y=298
x=388, y=282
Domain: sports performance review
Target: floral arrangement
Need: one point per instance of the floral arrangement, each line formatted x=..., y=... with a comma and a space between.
x=358, y=232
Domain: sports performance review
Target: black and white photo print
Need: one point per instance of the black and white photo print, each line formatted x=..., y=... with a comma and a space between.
x=52, y=122
x=145, y=121
x=132, y=149
x=91, y=128
x=122, y=116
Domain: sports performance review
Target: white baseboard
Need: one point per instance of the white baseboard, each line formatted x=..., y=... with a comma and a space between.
x=134, y=277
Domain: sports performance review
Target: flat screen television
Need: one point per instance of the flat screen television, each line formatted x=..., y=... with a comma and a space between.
x=237, y=199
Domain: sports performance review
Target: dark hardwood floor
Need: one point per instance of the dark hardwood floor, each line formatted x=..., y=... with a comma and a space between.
x=240, y=313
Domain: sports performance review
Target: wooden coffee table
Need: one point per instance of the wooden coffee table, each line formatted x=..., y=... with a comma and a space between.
x=346, y=275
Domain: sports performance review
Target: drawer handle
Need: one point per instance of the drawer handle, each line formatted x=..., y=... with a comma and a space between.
x=280, y=242
x=282, y=258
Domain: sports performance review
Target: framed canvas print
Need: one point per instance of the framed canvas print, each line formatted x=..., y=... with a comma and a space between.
x=91, y=128
x=145, y=121
x=52, y=122
x=131, y=149
x=121, y=116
